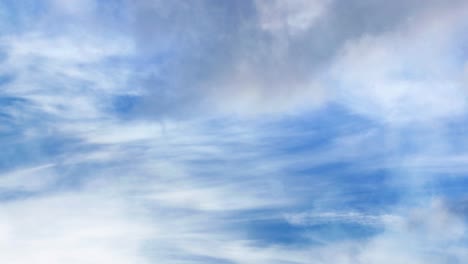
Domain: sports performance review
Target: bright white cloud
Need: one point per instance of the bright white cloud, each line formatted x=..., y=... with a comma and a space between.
x=29, y=179
x=411, y=74
x=73, y=227
x=291, y=17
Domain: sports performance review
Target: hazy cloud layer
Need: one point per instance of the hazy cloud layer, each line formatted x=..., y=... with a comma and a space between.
x=278, y=57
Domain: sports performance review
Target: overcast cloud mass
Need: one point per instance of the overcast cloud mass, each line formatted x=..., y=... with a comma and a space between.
x=249, y=131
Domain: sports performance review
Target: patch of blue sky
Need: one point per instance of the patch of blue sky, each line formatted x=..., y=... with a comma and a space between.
x=26, y=137
x=155, y=251
x=18, y=152
x=280, y=232
x=454, y=133
x=124, y=105
x=17, y=195
x=15, y=15
x=5, y=79
x=449, y=186
x=348, y=187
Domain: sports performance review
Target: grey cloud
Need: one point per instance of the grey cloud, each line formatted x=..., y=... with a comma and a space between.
x=219, y=55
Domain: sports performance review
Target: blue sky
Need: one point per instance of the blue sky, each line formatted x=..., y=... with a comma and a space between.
x=250, y=131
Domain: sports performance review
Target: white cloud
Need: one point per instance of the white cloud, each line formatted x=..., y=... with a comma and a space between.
x=293, y=17
x=28, y=179
x=62, y=49
x=58, y=77
x=74, y=227
x=317, y=218
x=411, y=74
x=74, y=7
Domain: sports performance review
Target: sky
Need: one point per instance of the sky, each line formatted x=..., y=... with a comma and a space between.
x=225, y=132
